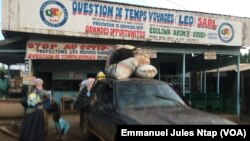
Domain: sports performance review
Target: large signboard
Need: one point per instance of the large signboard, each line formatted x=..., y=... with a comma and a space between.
x=73, y=51
x=66, y=51
x=118, y=21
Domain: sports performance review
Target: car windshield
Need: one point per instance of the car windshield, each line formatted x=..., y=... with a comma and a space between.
x=135, y=95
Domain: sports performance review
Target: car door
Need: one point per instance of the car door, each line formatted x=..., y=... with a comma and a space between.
x=90, y=112
x=103, y=110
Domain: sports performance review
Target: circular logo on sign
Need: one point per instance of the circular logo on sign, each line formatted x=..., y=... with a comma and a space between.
x=53, y=13
x=226, y=32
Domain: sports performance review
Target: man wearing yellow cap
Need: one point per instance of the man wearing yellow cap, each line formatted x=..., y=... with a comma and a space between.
x=100, y=76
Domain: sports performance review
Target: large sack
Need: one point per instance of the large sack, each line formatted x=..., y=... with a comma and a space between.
x=110, y=69
x=110, y=57
x=124, y=69
x=125, y=46
x=146, y=71
x=141, y=57
x=117, y=55
x=122, y=54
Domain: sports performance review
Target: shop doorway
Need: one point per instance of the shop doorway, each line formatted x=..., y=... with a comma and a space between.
x=47, y=79
x=246, y=96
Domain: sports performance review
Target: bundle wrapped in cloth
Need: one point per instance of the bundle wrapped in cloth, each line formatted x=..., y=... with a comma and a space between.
x=119, y=53
x=146, y=71
x=120, y=62
x=123, y=60
x=123, y=69
x=141, y=57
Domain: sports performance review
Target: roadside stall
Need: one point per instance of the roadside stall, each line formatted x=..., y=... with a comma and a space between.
x=10, y=100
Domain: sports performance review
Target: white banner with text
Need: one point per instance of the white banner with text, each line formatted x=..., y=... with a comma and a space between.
x=119, y=21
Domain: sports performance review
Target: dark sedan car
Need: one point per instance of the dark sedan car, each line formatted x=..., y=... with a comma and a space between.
x=137, y=101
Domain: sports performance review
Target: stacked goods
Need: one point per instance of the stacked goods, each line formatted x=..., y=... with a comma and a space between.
x=125, y=46
x=124, y=60
x=123, y=69
x=119, y=53
x=141, y=56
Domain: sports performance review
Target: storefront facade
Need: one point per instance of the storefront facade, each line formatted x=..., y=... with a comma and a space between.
x=68, y=41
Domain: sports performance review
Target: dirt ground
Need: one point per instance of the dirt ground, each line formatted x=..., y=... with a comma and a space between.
x=75, y=130
x=5, y=137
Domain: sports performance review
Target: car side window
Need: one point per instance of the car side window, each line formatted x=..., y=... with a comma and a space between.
x=105, y=94
x=109, y=94
x=94, y=92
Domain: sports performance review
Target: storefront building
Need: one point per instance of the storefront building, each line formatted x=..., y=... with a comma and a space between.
x=67, y=41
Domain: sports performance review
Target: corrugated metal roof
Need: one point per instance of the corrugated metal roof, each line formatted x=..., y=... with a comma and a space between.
x=12, y=50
